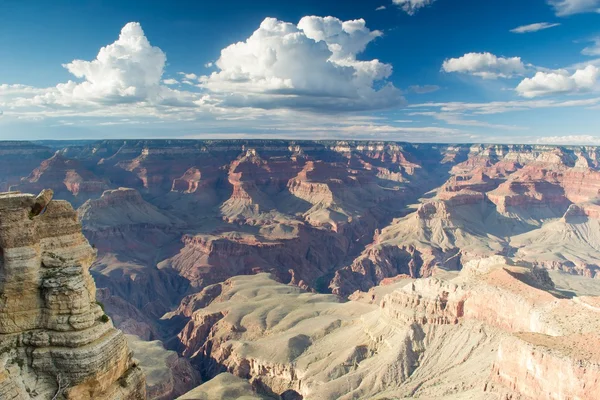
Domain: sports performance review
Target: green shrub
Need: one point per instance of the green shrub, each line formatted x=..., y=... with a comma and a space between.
x=104, y=318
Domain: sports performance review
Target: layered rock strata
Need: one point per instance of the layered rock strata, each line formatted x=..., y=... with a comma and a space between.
x=55, y=340
x=494, y=330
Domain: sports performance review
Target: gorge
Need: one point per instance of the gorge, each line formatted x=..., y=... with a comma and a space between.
x=299, y=269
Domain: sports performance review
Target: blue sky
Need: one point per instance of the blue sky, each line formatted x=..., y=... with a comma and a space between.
x=418, y=70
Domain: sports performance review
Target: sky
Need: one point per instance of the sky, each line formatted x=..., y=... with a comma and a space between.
x=493, y=71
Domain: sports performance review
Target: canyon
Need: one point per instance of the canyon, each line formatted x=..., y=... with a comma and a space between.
x=307, y=269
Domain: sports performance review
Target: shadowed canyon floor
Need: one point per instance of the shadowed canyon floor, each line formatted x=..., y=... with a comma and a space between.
x=218, y=250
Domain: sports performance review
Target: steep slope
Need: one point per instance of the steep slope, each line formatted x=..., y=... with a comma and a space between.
x=68, y=178
x=54, y=338
x=167, y=374
x=571, y=243
x=497, y=201
x=453, y=338
x=130, y=234
x=123, y=206
x=223, y=387
x=440, y=234
x=18, y=159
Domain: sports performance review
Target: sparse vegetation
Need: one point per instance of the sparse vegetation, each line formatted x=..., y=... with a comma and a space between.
x=99, y=303
x=104, y=318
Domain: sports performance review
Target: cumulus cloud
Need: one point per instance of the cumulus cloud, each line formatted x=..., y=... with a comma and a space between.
x=423, y=89
x=570, y=7
x=534, y=27
x=412, y=6
x=559, y=82
x=170, y=81
x=485, y=65
x=380, y=8
x=593, y=50
x=312, y=65
x=128, y=70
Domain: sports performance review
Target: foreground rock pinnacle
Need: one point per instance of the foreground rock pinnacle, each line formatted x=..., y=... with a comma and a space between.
x=55, y=340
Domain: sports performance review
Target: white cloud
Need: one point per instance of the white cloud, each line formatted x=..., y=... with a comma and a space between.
x=485, y=65
x=498, y=107
x=17, y=89
x=534, y=27
x=125, y=79
x=312, y=65
x=412, y=6
x=455, y=118
x=593, y=50
x=559, y=82
x=380, y=8
x=189, y=76
x=584, y=64
x=570, y=7
x=124, y=86
x=418, y=89
x=129, y=70
x=208, y=65
x=570, y=140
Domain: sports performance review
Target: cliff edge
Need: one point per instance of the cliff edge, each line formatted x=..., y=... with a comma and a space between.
x=56, y=342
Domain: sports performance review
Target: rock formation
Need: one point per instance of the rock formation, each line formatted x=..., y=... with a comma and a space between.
x=167, y=374
x=224, y=386
x=126, y=230
x=172, y=220
x=55, y=339
x=69, y=178
x=476, y=335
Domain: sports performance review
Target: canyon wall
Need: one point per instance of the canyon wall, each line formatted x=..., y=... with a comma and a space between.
x=172, y=220
x=55, y=339
x=492, y=331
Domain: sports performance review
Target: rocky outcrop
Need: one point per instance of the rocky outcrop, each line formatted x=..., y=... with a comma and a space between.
x=224, y=386
x=541, y=366
x=189, y=182
x=440, y=234
x=167, y=374
x=429, y=301
x=208, y=259
x=121, y=207
x=54, y=336
x=69, y=179
x=500, y=330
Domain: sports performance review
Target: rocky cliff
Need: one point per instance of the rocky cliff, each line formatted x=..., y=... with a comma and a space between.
x=492, y=331
x=55, y=339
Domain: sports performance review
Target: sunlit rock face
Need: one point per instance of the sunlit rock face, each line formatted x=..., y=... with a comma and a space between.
x=494, y=330
x=54, y=336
